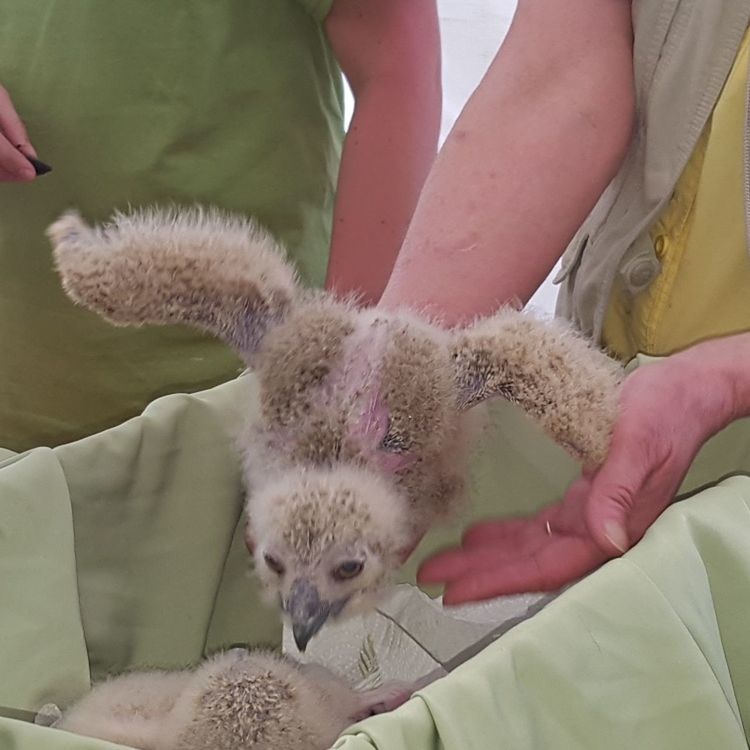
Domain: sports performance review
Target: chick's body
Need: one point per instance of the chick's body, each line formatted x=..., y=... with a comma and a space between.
x=237, y=700
x=340, y=387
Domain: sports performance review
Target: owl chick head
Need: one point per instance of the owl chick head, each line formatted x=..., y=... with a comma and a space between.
x=325, y=541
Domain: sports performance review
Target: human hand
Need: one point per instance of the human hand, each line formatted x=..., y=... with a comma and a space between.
x=14, y=144
x=667, y=411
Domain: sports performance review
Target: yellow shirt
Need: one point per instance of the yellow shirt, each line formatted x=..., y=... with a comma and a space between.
x=703, y=289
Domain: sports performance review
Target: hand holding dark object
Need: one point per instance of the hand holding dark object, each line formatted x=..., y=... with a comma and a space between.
x=39, y=166
x=18, y=159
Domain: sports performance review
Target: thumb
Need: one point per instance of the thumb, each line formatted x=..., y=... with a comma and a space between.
x=613, y=496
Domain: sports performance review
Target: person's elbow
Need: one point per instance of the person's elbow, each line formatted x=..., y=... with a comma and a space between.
x=600, y=83
x=609, y=115
x=571, y=65
x=388, y=46
x=409, y=71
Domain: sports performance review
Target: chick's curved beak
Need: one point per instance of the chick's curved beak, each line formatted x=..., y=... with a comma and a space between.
x=307, y=611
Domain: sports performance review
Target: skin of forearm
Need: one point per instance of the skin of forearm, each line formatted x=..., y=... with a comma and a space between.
x=719, y=373
x=389, y=148
x=529, y=156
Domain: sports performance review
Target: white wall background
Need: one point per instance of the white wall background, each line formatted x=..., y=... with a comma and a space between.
x=472, y=31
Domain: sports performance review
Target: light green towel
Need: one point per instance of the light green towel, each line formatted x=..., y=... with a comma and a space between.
x=123, y=550
x=650, y=652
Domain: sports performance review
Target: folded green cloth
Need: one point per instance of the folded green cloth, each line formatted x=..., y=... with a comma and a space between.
x=651, y=651
x=125, y=550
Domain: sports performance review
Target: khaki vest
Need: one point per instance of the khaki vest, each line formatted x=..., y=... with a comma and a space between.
x=683, y=52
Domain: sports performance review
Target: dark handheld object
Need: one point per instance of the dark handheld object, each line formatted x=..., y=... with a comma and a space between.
x=39, y=166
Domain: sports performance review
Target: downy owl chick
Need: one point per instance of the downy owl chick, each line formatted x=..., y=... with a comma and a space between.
x=364, y=431
x=237, y=700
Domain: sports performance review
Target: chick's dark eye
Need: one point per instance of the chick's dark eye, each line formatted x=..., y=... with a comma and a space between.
x=348, y=569
x=274, y=564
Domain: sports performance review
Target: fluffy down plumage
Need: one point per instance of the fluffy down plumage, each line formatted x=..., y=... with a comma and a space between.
x=365, y=426
x=237, y=700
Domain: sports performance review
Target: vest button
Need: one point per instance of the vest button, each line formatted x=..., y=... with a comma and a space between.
x=641, y=273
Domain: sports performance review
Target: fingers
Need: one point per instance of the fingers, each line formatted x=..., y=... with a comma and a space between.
x=513, y=531
x=455, y=564
x=519, y=533
x=519, y=555
x=14, y=143
x=14, y=166
x=544, y=562
x=613, y=494
x=549, y=568
x=387, y=697
x=12, y=126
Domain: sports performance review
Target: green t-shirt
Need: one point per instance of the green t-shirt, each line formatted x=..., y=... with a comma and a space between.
x=233, y=103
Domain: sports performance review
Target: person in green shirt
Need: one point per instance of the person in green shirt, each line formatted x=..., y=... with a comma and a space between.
x=236, y=104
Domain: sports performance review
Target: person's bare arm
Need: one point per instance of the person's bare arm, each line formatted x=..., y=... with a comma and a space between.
x=14, y=143
x=389, y=51
x=531, y=153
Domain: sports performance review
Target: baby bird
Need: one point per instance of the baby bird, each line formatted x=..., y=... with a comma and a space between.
x=365, y=428
x=237, y=700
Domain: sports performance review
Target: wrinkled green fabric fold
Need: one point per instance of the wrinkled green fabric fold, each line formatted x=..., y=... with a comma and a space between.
x=650, y=652
x=41, y=640
x=156, y=504
x=147, y=522
x=124, y=550
x=19, y=735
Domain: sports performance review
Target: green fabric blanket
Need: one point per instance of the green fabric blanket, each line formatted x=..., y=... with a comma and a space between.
x=123, y=550
x=650, y=652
